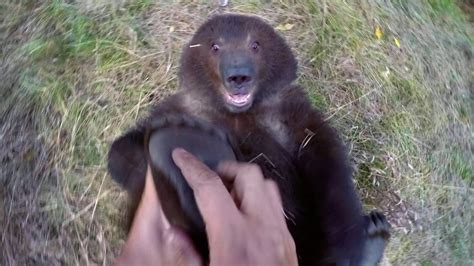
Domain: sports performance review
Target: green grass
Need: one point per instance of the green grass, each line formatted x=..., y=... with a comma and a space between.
x=77, y=74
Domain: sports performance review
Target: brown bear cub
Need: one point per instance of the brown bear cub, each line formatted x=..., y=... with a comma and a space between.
x=238, y=95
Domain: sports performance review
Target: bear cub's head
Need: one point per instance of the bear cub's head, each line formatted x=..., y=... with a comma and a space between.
x=237, y=60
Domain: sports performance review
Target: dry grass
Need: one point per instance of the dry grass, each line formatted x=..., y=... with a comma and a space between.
x=75, y=75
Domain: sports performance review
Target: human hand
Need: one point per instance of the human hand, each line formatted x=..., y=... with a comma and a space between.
x=245, y=226
x=151, y=240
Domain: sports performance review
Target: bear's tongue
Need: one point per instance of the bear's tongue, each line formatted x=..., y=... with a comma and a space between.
x=239, y=99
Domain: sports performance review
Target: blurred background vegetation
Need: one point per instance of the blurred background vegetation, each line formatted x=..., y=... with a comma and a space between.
x=395, y=77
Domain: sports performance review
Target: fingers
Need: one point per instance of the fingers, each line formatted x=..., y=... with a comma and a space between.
x=241, y=174
x=249, y=187
x=229, y=170
x=250, y=193
x=213, y=199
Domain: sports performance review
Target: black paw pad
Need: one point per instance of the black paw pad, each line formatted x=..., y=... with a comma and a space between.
x=205, y=141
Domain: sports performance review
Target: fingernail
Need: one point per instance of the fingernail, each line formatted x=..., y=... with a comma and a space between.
x=180, y=155
x=180, y=152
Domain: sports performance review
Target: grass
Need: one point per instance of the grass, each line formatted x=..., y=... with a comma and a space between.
x=77, y=74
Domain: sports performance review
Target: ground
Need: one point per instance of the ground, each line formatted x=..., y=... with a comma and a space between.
x=395, y=77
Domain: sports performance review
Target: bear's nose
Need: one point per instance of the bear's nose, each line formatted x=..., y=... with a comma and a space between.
x=238, y=80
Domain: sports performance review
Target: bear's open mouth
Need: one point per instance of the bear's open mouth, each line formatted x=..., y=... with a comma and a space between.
x=240, y=99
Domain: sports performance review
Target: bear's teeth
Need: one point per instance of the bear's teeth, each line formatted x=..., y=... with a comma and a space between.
x=239, y=98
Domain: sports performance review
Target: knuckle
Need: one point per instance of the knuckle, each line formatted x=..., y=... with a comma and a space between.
x=202, y=174
x=272, y=185
x=226, y=166
x=208, y=177
x=205, y=178
x=254, y=169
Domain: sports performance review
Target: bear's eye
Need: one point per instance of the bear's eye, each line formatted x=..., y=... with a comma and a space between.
x=255, y=46
x=215, y=47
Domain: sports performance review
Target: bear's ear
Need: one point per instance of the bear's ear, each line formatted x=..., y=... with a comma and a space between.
x=127, y=161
